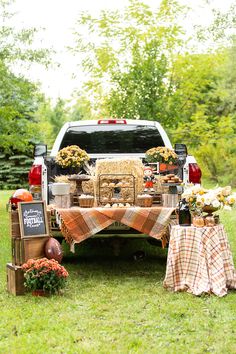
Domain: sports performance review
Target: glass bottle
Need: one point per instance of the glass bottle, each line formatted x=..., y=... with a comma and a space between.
x=184, y=213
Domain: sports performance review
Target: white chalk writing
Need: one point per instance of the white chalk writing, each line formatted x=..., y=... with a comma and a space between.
x=33, y=218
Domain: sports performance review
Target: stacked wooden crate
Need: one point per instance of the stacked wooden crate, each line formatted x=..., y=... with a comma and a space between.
x=23, y=249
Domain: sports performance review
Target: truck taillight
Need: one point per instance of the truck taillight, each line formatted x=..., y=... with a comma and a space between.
x=112, y=121
x=35, y=175
x=195, y=173
x=35, y=181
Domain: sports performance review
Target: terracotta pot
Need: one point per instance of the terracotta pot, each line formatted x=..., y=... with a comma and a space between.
x=166, y=167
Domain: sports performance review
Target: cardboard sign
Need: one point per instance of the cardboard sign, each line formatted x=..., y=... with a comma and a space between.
x=33, y=219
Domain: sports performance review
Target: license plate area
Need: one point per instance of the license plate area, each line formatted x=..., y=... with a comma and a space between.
x=117, y=225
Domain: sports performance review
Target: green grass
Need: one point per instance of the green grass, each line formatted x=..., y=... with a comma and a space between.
x=115, y=305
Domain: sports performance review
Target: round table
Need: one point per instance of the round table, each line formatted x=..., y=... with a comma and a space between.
x=199, y=261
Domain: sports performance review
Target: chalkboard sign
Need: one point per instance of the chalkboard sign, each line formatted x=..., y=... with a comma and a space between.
x=33, y=219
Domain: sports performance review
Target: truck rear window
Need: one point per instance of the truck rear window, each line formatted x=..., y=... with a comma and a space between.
x=96, y=139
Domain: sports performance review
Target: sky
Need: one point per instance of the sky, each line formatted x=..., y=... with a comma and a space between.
x=58, y=17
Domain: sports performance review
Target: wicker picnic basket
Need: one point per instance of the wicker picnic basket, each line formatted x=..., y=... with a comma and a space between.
x=86, y=201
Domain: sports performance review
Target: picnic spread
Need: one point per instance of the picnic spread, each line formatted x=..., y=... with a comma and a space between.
x=142, y=199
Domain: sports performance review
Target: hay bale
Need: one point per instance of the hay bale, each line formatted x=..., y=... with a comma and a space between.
x=88, y=186
x=120, y=166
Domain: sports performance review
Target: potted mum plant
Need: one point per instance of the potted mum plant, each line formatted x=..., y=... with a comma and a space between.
x=44, y=276
x=72, y=157
x=166, y=157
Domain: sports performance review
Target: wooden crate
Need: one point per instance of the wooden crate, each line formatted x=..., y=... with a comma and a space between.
x=15, y=225
x=24, y=249
x=15, y=279
x=157, y=198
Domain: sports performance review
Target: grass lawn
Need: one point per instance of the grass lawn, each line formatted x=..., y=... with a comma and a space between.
x=115, y=305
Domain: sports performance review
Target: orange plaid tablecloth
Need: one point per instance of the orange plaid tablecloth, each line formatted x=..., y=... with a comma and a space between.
x=200, y=261
x=78, y=224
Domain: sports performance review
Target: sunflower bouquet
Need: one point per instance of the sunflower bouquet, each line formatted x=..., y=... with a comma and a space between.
x=71, y=156
x=161, y=154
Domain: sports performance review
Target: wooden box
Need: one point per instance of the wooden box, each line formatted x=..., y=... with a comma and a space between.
x=15, y=279
x=14, y=223
x=25, y=249
x=144, y=201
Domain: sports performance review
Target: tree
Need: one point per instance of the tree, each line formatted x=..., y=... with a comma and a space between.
x=19, y=99
x=206, y=113
x=81, y=109
x=16, y=45
x=18, y=96
x=128, y=57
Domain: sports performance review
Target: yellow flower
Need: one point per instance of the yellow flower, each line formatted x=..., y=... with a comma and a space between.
x=161, y=154
x=201, y=192
x=71, y=156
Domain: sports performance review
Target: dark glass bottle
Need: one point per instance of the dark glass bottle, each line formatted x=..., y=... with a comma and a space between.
x=184, y=213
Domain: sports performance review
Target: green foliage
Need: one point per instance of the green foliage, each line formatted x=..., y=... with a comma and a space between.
x=205, y=112
x=138, y=66
x=219, y=29
x=14, y=170
x=15, y=44
x=216, y=148
x=51, y=119
x=58, y=117
x=82, y=109
x=194, y=82
x=18, y=102
x=19, y=99
x=135, y=65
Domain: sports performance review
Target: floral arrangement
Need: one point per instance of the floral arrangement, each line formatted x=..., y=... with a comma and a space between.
x=45, y=274
x=161, y=154
x=200, y=198
x=71, y=156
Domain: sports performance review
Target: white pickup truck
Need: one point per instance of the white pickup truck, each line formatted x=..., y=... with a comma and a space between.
x=106, y=138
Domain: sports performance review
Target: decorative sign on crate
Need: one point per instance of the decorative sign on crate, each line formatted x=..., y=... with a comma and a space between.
x=33, y=219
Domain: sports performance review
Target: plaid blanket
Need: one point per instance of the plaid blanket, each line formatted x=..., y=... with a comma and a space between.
x=78, y=224
x=200, y=261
